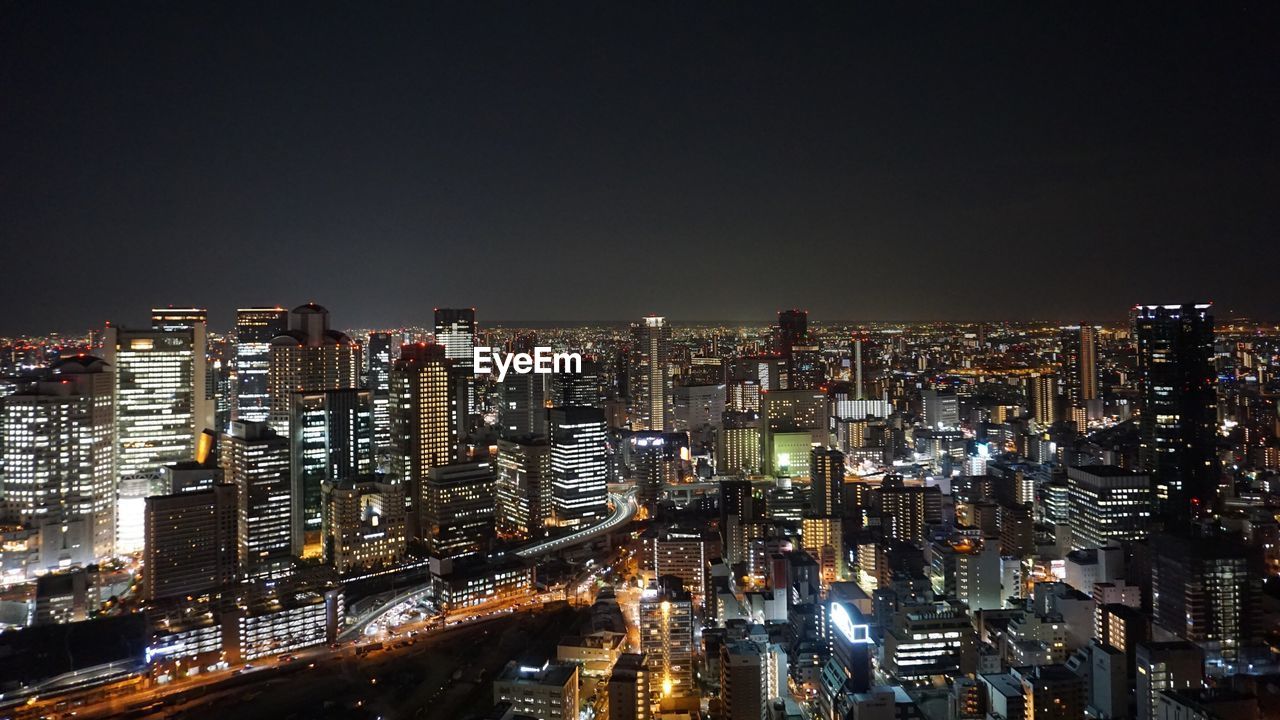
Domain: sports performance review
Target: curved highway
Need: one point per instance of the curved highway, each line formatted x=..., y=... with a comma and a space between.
x=624, y=508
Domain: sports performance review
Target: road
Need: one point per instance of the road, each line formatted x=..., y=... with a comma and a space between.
x=624, y=508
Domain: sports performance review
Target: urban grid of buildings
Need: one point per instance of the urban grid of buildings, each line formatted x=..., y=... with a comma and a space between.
x=1004, y=521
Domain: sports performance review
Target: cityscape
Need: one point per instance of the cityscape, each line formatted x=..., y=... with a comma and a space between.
x=603, y=361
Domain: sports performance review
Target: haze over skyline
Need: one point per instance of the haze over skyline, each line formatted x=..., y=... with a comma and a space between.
x=582, y=162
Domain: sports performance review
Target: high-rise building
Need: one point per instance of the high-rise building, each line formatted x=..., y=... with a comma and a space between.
x=826, y=474
x=682, y=552
x=907, y=510
x=1055, y=692
x=650, y=379
x=256, y=461
x=1207, y=589
x=739, y=444
x=1161, y=666
x=800, y=352
x=330, y=439
x=579, y=466
x=941, y=408
x=524, y=499
x=629, y=691
x=1177, y=402
x=1042, y=397
x=364, y=524
x=190, y=545
x=577, y=389
x=456, y=332
x=522, y=404
x=57, y=452
x=1080, y=363
x=748, y=680
x=255, y=329
x=195, y=321
x=424, y=415
x=1107, y=503
x=382, y=352
x=161, y=409
x=458, y=509
x=666, y=637
x=309, y=357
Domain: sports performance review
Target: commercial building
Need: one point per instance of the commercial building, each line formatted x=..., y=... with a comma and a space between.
x=256, y=461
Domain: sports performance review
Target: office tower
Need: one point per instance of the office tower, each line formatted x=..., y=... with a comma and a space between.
x=198, y=474
x=650, y=381
x=826, y=473
x=1161, y=666
x=977, y=574
x=524, y=500
x=364, y=525
x=382, y=352
x=695, y=407
x=1042, y=398
x=1207, y=589
x=541, y=691
x=309, y=357
x=1107, y=503
x=907, y=510
x=681, y=552
x=577, y=389
x=1177, y=404
x=424, y=420
x=666, y=637
x=799, y=351
x=1055, y=692
x=522, y=404
x=458, y=505
x=823, y=538
x=1080, y=364
x=161, y=408
x=934, y=639
x=256, y=461
x=748, y=680
x=330, y=439
x=456, y=332
x=738, y=451
x=941, y=408
x=579, y=466
x=57, y=452
x=655, y=465
x=791, y=423
x=190, y=546
x=196, y=322
x=629, y=692
x=255, y=329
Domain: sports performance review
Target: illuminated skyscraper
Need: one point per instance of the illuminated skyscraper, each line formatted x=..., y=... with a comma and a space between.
x=826, y=490
x=800, y=351
x=577, y=389
x=458, y=505
x=256, y=460
x=1080, y=363
x=1177, y=402
x=381, y=354
x=650, y=379
x=1042, y=397
x=456, y=331
x=1107, y=503
x=522, y=408
x=330, y=439
x=424, y=412
x=579, y=466
x=190, y=542
x=255, y=329
x=58, y=454
x=161, y=408
x=524, y=502
x=309, y=357
x=666, y=637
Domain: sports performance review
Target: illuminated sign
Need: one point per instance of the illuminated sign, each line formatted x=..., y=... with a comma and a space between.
x=842, y=621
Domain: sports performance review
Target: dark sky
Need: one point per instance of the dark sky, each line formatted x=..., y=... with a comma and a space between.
x=703, y=160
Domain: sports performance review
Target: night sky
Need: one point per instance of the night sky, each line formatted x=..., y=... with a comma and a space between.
x=588, y=161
